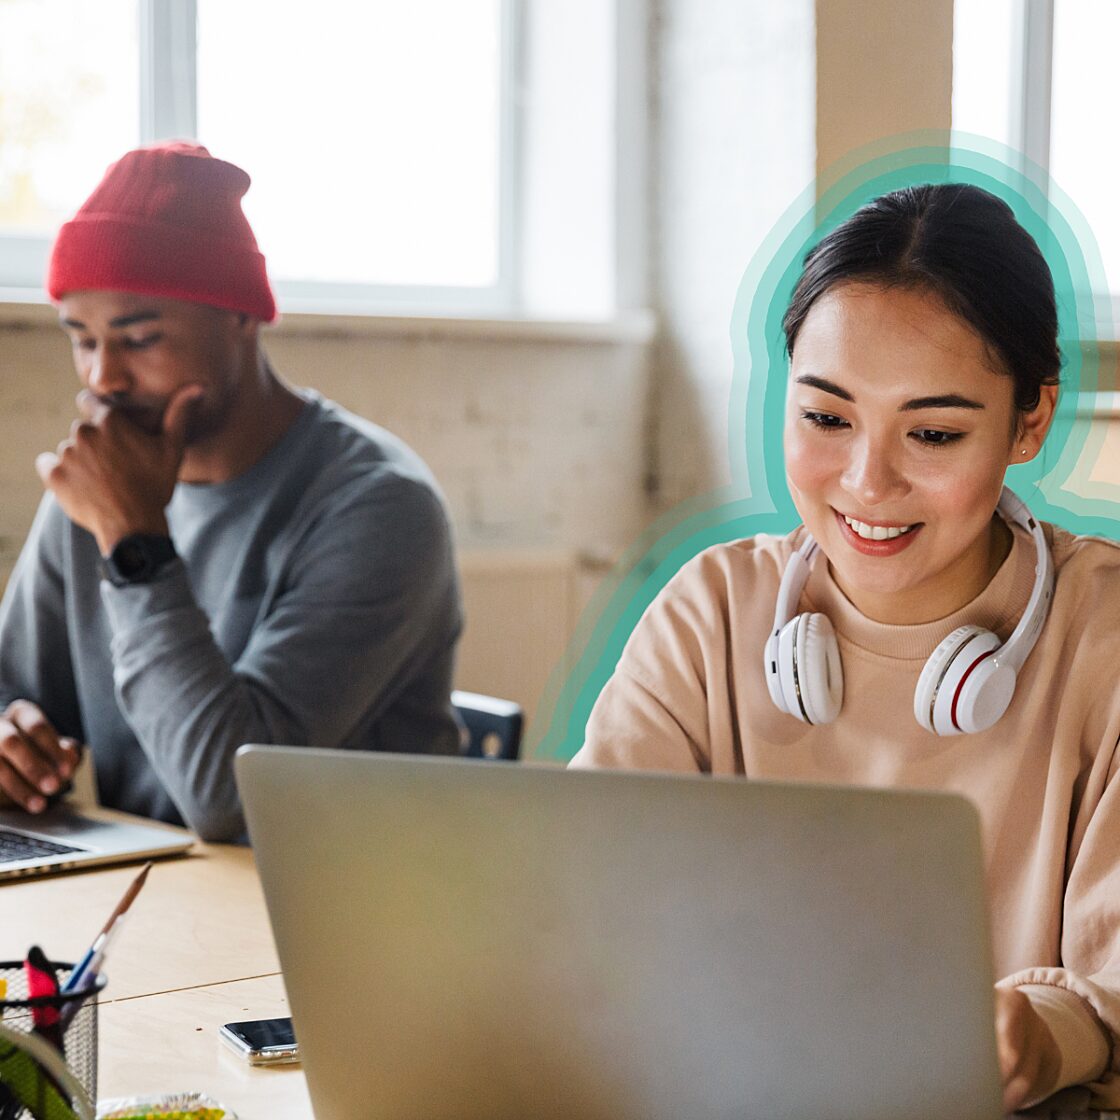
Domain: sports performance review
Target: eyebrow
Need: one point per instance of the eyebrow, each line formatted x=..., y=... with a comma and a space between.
x=118, y=322
x=946, y=400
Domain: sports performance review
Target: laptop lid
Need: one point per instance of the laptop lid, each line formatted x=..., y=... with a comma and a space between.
x=480, y=940
x=62, y=838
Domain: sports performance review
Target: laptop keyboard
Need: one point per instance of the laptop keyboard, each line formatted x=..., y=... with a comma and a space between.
x=18, y=845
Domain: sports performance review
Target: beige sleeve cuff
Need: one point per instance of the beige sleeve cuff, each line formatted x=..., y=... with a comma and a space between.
x=582, y=760
x=1083, y=1046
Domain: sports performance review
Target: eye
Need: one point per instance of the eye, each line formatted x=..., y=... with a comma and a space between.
x=935, y=437
x=79, y=343
x=826, y=421
x=143, y=342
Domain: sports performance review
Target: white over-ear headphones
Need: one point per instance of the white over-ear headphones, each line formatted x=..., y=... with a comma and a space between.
x=966, y=684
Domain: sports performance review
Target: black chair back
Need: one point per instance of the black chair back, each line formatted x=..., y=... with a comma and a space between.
x=491, y=727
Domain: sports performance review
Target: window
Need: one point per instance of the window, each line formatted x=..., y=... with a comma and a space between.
x=982, y=68
x=1037, y=75
x=380, y=137
x=69, y=105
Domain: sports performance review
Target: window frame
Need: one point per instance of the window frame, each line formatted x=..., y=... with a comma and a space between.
x=1032, y=77
x=168, y=78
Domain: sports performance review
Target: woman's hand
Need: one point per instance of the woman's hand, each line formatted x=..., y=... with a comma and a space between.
x=1028, y=1055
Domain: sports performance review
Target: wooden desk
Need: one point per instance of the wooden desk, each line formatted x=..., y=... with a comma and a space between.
x=196, y=951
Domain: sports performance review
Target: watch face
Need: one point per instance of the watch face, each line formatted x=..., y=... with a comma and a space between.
x=130, y=557
x=137, y=558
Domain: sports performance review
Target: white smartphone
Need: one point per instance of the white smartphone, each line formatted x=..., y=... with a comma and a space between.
x=262, y=1041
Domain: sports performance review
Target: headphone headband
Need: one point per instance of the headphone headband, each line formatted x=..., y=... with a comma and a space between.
x=1015, y=651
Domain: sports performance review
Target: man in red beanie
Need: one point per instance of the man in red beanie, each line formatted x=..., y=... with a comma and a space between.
x=219, y=558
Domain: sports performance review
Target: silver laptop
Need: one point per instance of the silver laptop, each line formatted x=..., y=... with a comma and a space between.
x=471, y=940
x=62, y=838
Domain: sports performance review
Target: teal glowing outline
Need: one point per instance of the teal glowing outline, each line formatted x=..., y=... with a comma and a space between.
x=1055, y=485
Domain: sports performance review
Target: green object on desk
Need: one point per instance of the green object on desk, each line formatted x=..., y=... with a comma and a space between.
x=194, y=1114
x=24, y=1078
x=206, y=1114
x=172, y=1106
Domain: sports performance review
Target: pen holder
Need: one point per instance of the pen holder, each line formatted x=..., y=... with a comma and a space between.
x=38, y=1081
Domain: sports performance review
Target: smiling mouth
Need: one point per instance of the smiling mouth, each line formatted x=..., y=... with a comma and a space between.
x=877, y=532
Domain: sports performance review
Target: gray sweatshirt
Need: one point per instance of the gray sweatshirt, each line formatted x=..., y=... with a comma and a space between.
x=315, y=603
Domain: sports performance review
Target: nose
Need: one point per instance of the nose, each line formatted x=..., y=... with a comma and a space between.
x=107, y=371
x=872, y=476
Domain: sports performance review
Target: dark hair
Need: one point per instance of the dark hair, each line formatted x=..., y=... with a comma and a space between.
x=965, y=245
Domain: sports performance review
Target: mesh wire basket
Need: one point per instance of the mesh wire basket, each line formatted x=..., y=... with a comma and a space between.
x=34, y=1085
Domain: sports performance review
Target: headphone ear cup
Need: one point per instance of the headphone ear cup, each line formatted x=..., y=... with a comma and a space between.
x=937, y=698
x=984, y=694
x=809, y=672
x=788, y=691
x=822, y=678
x=773, y=674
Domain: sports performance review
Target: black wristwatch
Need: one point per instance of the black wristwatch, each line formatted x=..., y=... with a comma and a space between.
x=137, y=559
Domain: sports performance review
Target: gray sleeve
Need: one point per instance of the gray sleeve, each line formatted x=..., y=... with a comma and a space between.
x=35, y=658
x=370, y=594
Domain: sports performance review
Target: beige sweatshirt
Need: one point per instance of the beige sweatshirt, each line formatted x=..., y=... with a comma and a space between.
x=689, y=694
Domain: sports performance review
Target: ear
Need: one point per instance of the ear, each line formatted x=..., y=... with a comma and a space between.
x=1033, y=426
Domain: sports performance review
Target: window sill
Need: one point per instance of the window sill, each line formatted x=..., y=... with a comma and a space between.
x=24, y=310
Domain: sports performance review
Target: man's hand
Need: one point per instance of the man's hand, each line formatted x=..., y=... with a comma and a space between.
x=35, y=761
x=1028, y=1055
x=111, y=476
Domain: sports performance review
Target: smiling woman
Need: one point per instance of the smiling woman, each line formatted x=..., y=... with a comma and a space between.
x=921, y=629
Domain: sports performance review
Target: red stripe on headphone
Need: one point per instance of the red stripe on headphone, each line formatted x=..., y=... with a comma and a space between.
x=957, y=694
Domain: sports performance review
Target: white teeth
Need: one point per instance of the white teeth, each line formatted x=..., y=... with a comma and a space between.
x=876, y=532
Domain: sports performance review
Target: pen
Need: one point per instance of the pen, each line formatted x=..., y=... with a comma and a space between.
x=104, y=940
x=87, y=978
x=97, y=949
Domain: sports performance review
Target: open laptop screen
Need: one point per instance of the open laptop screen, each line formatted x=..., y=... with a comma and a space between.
x=478, y=940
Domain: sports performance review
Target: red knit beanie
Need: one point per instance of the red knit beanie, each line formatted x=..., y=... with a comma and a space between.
x=166, y=221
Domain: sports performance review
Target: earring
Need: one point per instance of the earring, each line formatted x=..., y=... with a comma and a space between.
x=1023, y=451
